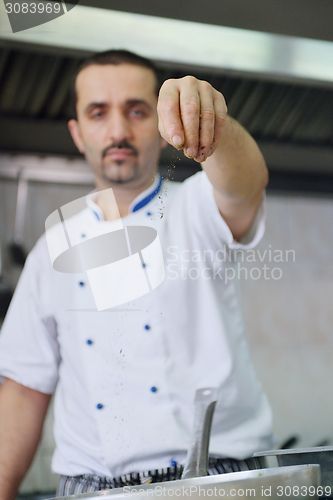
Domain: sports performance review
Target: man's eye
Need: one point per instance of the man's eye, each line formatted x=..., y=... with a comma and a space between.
x=137, y=112
x=97, y=114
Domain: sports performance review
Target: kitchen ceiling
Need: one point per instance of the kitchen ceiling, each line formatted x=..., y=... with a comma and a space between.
x=292, y=119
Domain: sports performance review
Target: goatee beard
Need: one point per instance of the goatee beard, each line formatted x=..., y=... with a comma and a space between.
x=117, y=179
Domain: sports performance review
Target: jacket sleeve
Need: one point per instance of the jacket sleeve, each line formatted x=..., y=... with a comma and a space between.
x=29, y=351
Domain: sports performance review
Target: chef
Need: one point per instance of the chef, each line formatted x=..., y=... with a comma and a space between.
x=124, y=377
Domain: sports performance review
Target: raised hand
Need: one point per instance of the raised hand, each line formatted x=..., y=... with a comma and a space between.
x=191, y=116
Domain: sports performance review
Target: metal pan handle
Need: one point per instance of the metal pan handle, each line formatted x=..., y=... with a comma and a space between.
x=197, y=457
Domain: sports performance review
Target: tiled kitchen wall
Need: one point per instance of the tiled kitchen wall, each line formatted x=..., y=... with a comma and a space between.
x=289, y=320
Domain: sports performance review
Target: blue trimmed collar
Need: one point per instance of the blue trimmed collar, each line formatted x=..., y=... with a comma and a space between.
x=139, y=202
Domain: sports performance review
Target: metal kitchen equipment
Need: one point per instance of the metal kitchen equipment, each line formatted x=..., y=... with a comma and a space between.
x=16, y=248
x=289, y=443
x=277, y=482
x=196, y=464
x=322, y=455
x=6, y=291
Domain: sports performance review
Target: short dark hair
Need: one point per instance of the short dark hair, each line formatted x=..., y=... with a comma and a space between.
x=114, y=57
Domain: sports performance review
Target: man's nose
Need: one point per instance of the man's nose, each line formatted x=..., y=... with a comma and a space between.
x=118, y=127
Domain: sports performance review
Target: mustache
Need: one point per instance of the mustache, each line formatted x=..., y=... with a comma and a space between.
x=120, y=145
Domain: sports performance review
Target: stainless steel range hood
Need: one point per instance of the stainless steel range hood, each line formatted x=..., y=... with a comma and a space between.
x=183, y=42
x=279, y=87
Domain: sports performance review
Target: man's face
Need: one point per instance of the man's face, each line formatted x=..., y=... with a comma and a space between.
x=116, y=127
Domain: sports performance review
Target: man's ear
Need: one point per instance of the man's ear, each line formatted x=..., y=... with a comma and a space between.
x=73, y=127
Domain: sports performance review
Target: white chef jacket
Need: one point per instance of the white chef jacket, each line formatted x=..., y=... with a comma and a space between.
x=125, y=378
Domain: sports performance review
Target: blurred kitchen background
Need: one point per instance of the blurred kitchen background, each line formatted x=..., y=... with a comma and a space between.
x=273, y=61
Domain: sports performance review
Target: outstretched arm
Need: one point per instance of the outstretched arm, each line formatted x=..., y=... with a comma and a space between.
x=193, y=117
